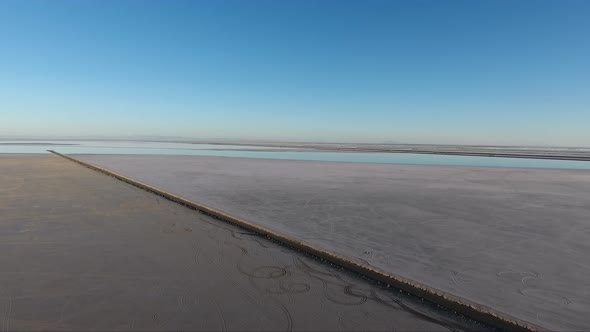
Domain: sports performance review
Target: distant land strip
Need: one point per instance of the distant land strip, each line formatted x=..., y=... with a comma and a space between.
x=481, y=154
x=575, y=154
x=36, y=143
x=459, y=305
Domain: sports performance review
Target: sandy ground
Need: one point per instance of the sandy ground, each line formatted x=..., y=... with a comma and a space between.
x=83, y=251
x=517, y=240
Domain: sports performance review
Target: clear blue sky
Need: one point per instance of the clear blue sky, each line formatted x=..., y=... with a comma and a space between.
x=467, y=72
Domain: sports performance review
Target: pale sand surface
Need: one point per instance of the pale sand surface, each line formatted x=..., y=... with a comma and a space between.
x=514, y=239
x=83, y=251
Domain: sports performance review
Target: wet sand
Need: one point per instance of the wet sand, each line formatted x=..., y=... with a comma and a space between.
x=83, y=251
x=516, y=240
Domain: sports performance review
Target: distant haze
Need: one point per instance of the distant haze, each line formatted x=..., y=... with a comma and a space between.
x=446, y=72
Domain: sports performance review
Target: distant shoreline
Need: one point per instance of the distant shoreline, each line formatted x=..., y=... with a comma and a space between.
x=550, y=153
x=555, y=153
x=39, y=143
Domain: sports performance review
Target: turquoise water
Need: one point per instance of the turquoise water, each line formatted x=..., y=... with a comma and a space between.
x=160, y=148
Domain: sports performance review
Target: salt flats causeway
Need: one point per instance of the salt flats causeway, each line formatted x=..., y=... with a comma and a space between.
x=512, y=239
x=85, y=251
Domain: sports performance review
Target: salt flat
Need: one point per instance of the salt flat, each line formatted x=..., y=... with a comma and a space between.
x=514, y=239
x=83, y=251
